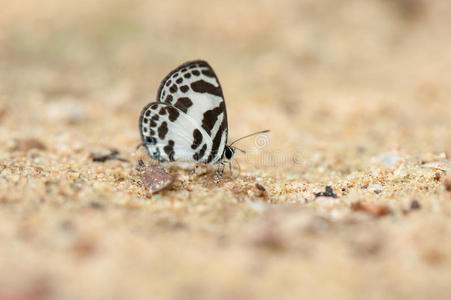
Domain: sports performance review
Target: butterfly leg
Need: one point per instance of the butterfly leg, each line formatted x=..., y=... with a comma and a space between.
x=219, y=171
x=223, y=167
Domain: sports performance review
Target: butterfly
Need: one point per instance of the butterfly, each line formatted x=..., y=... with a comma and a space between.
x=188, y=122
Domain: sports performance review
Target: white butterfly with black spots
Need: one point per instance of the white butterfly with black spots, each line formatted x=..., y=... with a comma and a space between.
x=188, y=122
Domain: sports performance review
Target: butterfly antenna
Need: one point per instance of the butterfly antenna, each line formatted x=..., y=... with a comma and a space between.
x=241, y=150
x=249, y=135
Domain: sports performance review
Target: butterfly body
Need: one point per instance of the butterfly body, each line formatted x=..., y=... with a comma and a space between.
x=188, y=122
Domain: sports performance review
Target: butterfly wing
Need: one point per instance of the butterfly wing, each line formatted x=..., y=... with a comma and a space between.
x=194, y=89
x=171, y=135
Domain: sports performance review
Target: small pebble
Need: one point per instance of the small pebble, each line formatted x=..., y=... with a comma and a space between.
x=447, y=183
x=437, y=176
x=371, y=208
x=260, y=187
x=154, y=177
x=328, y=192
x=376, y=188
x=261, y=190
x=103, y=158
x=414, y=205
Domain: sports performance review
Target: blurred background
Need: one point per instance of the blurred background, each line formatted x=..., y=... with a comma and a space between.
x=338, y=82
x=370, y=71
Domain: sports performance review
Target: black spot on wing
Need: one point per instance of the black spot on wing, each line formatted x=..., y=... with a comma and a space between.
x=202, y=86
x=202, y=151
x=173, y=88
x=153, y=120
x=184, y=88
x=168, y=99
x=183, y=104
x=162, y=130
x=147, y=113
x=173, y=113
x=197, y=139
x=179, y=80
x=211, y=117
x=169, y=150
x=215, y=146
x=195, y=73
x=168, y=83
x=187, y=75
x=198, y=155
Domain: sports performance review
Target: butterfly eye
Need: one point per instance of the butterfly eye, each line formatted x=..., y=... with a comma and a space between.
x=228, y=153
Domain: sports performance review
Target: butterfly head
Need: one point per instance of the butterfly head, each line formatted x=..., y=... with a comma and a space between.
x=229, y=152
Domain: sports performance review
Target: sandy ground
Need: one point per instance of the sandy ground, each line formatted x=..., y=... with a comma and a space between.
x=357, y=95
